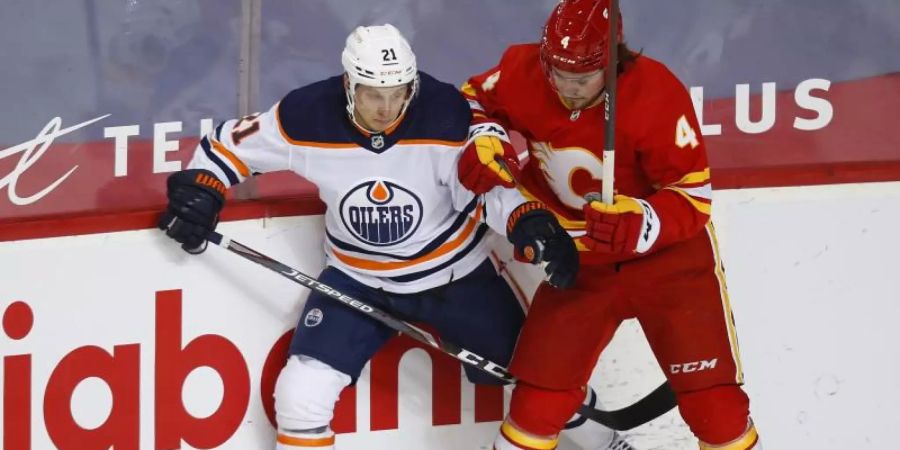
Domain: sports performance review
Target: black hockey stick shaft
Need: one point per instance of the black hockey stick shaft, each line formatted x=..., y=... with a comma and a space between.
x=611, y=74
x=645, y=410
x=373, y=312
x=653, y=405
x=662, y=399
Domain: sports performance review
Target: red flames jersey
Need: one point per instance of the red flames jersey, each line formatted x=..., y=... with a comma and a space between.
x=660, y=156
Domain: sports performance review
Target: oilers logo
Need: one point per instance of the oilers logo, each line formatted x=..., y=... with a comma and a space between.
x=380, y=212
x=313, y=317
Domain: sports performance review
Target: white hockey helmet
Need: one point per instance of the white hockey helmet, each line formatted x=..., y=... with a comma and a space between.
x=378, y=56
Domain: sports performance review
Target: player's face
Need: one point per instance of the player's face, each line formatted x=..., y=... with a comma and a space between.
x=577, y=89
x=377, y=107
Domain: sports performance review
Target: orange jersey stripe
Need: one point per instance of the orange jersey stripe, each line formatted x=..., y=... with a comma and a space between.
x=351, y=145
x=445, y=248
x=308, y=443
x=387, y=131
x=329, y=145
x=238, y=164
x=287, y=138
x=430, y=142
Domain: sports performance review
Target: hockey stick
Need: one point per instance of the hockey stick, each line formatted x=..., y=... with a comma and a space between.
x=645, y=410
x=612, y=68
x=662, y=399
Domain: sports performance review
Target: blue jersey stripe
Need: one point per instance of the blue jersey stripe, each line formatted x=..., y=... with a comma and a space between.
x=408, y=278
x=219, y=131
x=207, y=149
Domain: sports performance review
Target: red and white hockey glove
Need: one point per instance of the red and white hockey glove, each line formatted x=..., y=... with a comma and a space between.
x=628, y=226
x=489, y=160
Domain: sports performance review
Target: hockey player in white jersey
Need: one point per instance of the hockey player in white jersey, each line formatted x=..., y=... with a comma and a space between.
x=381, y=142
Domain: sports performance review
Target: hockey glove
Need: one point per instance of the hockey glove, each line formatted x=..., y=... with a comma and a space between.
x=195, y=198
x=489, y=160
x=539, y=238
x=629, y=226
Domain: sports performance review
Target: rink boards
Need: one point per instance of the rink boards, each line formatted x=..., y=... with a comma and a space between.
x=122, y=339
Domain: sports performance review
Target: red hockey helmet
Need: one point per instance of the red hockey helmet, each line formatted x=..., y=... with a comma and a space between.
x=576, y=34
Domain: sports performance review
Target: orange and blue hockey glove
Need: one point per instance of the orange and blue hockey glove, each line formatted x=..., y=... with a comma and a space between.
x=195, y=198
x=538, y=238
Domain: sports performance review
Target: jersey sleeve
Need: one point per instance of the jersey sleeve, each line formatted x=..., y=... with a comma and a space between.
x=673, y=156
x=239, y=148
x=493, y=207
x=483, y=94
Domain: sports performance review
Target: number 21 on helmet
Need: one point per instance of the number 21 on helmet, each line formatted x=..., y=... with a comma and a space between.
x=378, y=56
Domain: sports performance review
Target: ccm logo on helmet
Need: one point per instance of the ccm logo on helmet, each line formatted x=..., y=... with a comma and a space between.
x=380, y=212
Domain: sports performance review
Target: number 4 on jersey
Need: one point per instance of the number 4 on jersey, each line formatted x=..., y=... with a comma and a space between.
x=685, y=134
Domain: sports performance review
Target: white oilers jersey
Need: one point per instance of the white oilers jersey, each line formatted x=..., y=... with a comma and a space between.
x=397, y=217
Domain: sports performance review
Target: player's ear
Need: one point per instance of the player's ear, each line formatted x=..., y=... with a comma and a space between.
x=346, y=81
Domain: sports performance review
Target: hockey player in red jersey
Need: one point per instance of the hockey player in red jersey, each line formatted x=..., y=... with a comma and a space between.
x=381, y=142
x=650, y=255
